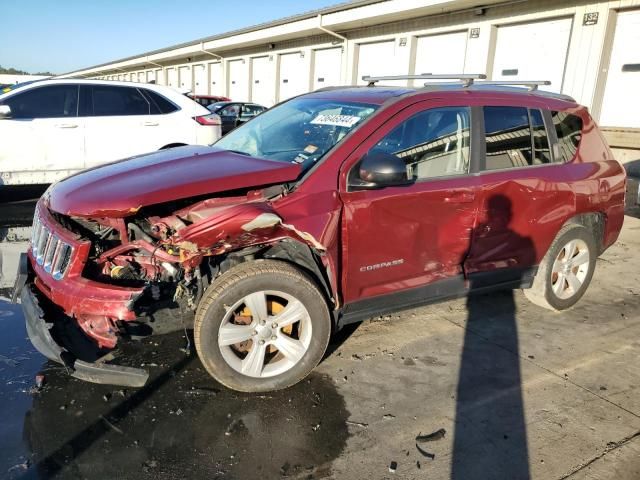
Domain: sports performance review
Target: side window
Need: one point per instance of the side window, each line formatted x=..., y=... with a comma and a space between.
x=230, y=111
x=541, y=154
x=118, y=101
x=159, y=104
x=54, y=101
x=569, y=131
x=251, y=110
x=508, y=137
x=433, y=143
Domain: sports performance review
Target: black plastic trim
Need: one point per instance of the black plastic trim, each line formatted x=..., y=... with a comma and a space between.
x=447, y=289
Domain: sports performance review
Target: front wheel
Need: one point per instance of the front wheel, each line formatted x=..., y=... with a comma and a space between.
x=566, y=270
x=261, y=326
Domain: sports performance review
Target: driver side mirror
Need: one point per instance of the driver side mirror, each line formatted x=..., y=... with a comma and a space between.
x=380, y=169
x=5, y=112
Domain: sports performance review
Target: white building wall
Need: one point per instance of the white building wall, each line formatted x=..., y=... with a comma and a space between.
x=399, y=43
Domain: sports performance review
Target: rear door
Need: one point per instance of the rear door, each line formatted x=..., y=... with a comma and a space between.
x=229, y=116
x=44, y=133
x=411, y=241
x=524, y=197
x=119, y=123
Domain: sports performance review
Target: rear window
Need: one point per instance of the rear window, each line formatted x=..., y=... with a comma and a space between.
x=569, y=131
x=159, y=104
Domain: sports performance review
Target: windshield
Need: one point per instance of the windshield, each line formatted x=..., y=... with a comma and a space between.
x=299, y=131
x=11, y=88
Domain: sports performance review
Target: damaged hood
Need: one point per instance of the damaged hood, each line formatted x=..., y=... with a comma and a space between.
x=122, y=188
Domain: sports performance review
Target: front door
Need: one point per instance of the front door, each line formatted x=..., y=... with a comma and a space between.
x=412, y=240
x=43, y=140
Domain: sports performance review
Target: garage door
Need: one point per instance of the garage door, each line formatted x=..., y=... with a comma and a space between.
x=151, y=76
x=216, y=79
x=263, y=81
x=172, y=77
x=293, y=76
x=377, y=59
x=239, y=81
x=186, y=78
x=200, y=86
x=533, y=51
x=327, y=70
x=141, y=77
x=621, y=103
x=441, y=53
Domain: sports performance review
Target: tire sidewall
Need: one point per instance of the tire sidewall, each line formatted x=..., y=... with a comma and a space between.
x=304, y=291
x=573, y=232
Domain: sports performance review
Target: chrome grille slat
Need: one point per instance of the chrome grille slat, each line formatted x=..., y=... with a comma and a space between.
x=49, y=250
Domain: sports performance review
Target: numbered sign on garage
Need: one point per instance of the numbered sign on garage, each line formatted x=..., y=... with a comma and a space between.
x=238, y=80
x=200, y=80
x=327, y=71
x=621, y=102
x=293, y=79
x=533, y=51
x=377, y=59
x=216, y=79
x=263, y=86
x=441, y=53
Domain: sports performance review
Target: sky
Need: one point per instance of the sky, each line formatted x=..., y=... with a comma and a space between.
x=65, y=35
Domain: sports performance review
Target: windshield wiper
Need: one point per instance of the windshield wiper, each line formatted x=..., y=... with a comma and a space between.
x=240, y=153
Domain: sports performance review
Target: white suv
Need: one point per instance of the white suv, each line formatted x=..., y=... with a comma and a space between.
x=52, y=128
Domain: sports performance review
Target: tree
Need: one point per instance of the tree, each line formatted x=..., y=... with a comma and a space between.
x=13, y=71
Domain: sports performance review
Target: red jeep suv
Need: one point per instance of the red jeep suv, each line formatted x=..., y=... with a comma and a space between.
x=329, y=208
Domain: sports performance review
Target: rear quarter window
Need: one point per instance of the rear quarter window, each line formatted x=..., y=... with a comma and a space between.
x=159, y=104
x=569, y=132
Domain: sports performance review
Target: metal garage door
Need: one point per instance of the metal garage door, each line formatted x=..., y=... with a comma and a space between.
x=263, y=85
x=151, y=76
x=533, y=51
x=200, y=86
x=141, y=77
x=294, y=78
x=441, y=53
x=621, y=103
x=327, y=70
x=186, y=77
x=238, y=80
x=216, y=80
x=172, y=77
x=376, y=59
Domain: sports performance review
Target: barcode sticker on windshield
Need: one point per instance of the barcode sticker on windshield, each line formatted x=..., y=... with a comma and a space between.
x=337, y=120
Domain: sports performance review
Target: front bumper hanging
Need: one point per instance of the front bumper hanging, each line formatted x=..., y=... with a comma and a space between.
x=40, y=336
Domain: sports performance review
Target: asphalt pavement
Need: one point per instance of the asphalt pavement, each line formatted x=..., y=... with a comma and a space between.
x=492, y=386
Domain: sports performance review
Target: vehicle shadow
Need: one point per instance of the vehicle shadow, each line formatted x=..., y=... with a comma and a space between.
x=490, y=437
x=182, y=424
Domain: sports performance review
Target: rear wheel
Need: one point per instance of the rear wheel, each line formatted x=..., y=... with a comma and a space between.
x=566, y=270
x=261, y=326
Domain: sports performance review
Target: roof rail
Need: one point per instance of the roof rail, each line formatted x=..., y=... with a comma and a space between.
x=466, y=78
x=531, y=84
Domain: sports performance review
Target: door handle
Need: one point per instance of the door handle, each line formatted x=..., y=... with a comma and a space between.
x=460, y=197
x=150, y=124
x=67, y=125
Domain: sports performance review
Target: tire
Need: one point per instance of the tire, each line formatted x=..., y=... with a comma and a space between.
x=557, y=289
x=276, y=292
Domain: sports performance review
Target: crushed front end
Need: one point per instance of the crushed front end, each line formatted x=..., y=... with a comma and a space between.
x=56, y=299
x=87, y=282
